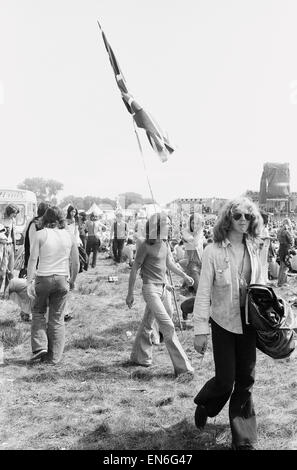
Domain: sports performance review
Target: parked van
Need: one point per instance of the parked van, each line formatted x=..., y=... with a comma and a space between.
x=26, y=202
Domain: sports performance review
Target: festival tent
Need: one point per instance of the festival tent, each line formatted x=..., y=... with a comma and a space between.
x=94, y=208
x=107, y=211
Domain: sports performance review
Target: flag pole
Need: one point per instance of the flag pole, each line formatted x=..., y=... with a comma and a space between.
x=175, y=302
x=150, y=126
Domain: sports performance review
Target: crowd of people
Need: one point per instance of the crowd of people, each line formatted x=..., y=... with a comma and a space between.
x=217, y=259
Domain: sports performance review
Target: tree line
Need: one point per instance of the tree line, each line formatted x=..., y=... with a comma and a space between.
x=48, y=189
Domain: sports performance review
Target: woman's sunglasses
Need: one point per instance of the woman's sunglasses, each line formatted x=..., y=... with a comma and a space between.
x=238, y=215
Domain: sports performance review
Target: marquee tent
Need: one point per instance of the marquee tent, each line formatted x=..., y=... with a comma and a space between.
x=94, y=208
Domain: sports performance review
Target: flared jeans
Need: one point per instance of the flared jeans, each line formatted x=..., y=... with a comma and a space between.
x=158, y=308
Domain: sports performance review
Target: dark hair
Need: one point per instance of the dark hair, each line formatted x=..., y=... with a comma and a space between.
x=83, y=216
x=93, y=215
x=53, y=218
x=11, y=209
x=224, y=223
x=42, y=206
x=192, y=217
x=264, y=216
x=129, y=241
x=70, y=209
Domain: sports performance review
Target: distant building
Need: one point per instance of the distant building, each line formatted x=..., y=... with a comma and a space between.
x=200, y=205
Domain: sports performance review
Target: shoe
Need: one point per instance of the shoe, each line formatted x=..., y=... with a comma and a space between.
x=200, y=416
x=134, y=363
x=38, y=354
x=243, y=447
x=67, y=318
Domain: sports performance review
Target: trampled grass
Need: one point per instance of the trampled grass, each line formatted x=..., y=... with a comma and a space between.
x=95, y=399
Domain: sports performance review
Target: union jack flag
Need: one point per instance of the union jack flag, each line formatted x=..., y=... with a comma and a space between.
x=158, y=140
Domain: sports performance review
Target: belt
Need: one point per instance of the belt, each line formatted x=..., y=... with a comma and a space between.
x=155, y=283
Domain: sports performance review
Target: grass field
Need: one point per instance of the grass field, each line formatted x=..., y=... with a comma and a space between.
x=94, y=399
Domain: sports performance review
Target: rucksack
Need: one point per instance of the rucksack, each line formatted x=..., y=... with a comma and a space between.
x=273, y=320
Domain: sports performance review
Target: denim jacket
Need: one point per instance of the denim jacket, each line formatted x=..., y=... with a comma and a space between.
x=218, y=290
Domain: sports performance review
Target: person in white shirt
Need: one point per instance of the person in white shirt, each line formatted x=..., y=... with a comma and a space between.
x=49, y=285
x=193, y=243
x=72, y=223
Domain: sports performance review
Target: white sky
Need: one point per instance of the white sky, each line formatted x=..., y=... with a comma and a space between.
x=220, y=76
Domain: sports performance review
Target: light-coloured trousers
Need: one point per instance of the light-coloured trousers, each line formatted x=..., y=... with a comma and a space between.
x=158, y=308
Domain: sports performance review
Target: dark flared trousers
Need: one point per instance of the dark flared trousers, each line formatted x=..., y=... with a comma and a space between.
x=235, y=360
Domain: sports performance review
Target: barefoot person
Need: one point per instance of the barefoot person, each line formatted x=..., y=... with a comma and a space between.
x=228, y=266
x=153, y=257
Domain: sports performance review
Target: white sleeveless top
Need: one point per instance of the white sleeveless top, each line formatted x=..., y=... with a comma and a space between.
x=54, y=253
